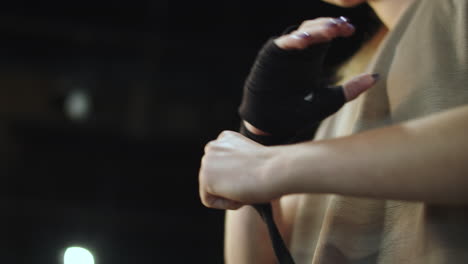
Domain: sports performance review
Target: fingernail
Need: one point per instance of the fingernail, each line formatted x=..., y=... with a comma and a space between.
x=301, y=35
x=376, y=76
x=344, y=19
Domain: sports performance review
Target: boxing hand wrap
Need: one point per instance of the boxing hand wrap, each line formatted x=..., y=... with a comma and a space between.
x=284, y=92
x=285, y=96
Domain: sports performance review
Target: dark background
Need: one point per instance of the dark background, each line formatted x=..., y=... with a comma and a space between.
x=160, y=79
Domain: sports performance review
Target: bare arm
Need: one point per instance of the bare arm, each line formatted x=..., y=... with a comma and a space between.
x=246, y=236
x=423, y=160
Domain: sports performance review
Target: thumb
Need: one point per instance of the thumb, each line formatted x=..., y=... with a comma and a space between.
x=359, y=84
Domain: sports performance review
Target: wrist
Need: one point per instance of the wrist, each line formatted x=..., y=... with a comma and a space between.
x=298, y=168
x=276, y=172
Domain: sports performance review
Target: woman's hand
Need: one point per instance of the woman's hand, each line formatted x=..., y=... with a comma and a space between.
x=315, y=31
x=351, y=89
x=231, y=173
x=286, y=91
x=233, y=168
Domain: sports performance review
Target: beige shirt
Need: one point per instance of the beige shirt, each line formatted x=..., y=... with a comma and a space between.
x=424, y=67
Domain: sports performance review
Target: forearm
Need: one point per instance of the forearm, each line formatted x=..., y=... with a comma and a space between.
x=246, y=238
x=422, y=160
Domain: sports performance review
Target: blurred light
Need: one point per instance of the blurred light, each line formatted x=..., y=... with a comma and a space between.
x=77, y=255
x=78, y=105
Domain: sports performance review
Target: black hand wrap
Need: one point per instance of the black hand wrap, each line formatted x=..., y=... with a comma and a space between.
x=285, y=96
x=284, y=92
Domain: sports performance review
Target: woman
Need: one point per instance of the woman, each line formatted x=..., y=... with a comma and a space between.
x=384, y=177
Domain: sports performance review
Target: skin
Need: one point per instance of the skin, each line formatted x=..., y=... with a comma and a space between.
x=318, y=31
x=345, y=3
x=389, y=11
x=332, y=166
x=424, y=148
x=245, y=232
x=236, y=171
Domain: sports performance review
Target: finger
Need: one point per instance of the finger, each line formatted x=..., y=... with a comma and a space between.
x=209, y=146
x=227, y=134
x=346, y=28
x=316, y=31
x=216, y=202
x=359, y=84
x=331, y=27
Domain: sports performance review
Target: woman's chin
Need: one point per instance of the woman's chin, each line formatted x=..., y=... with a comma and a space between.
x=345, y=3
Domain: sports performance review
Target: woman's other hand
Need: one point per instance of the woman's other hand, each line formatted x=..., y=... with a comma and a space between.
x=286, y=91
x=231, y=173
x=315, y=31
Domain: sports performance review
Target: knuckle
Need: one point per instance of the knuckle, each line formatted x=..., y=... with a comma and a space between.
x=227, y=133
x=305, y=23
x=209, y=146
x=328, y=21
x=308, y=23
x=223, y=134
x=324, y=19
